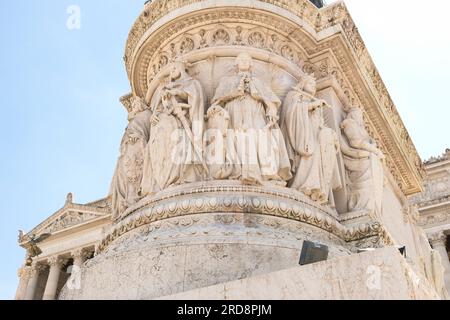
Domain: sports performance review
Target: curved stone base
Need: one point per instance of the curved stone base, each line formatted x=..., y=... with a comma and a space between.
x=198, y=235
x=192, y=252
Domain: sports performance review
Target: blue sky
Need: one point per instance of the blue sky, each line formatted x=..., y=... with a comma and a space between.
x=62, y=122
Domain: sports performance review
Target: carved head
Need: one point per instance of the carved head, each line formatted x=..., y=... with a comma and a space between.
x=244, y=62
x=307, y=84
x=178, y=70
x=137, y=106
x=357, y=115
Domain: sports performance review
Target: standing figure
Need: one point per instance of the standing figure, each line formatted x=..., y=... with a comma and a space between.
x=257, y=145
x=364, y=165
x=217, y=154
x=312, y=147
x=126, y=183
x=174, y=153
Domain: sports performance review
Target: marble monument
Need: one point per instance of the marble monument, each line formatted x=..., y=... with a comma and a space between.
x=254, y=125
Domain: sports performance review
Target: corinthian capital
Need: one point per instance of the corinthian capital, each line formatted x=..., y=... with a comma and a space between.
x=36, y=268
x=56, y=261
x=24, y=272
x=437, y=239
x=80, y=255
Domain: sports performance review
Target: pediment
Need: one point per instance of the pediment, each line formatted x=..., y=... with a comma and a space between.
x=71, y=215
x=69, y=218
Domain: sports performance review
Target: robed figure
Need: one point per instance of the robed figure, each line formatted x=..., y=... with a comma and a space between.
x=174, y=151
x=364, y=165
x=257, y=145
x=312, y=147
x=125, y=187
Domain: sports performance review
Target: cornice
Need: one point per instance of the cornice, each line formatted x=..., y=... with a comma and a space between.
x=197, y=199
x=156, y=9
x=437, y=160
x=433, y=203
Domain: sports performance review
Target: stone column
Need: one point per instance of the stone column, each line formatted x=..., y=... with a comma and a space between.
x=53, y=278
x=438, y=241
x=24, y=276
x=32, y=282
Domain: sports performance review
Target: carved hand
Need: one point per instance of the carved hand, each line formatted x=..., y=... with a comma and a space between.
x=175, y=92
x=154, y=120
x=272, y=120
x=134, y=138
x=166, y=101
x=363, y=154
x=178, y=111
x=319, y=104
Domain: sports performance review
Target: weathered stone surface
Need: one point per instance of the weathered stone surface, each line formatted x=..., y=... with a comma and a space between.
x=377, y=275
x=192, y=252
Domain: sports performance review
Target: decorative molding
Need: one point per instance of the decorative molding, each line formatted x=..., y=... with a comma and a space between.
x=432, y=202
x=219, y=227
x=37, y=267
x=56, y=261
x=444, y=157
x=238, y=199
x=69, y=219
x=435, y=219
x=224, y=188
x=157, y=9
x=216, y=36
x=437, y=239
x=69, y=216
x=411, y=214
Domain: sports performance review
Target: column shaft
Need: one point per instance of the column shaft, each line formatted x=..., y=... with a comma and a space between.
x=32, y=284
x=23, y=282
x=52, y=281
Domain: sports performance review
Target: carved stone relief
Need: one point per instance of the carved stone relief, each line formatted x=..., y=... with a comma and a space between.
x=126, y=184
x=67, y=220
x=241, y=102
x=363, y=161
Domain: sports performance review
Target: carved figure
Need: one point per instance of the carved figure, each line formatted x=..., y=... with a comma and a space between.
x=257, y=144
x=312, y=147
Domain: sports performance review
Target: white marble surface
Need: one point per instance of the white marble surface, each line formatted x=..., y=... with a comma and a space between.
x=181, y=254
x=381, y=274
